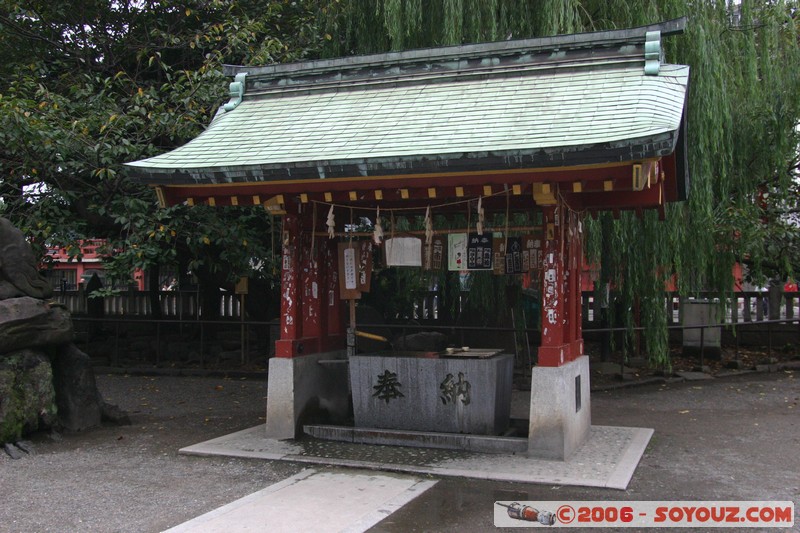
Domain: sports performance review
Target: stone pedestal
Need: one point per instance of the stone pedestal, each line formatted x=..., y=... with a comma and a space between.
x=560, y=414
x=303, y=389
x=699, y=313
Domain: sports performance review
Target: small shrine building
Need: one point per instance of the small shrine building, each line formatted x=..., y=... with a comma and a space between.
x=565, y=126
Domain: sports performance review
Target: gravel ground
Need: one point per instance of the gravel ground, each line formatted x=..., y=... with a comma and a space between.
x=131, y=478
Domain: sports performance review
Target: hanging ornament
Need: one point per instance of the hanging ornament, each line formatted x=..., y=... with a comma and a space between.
x=377, y=234
x=331, y=223
x=479, y=225
x=428, y=226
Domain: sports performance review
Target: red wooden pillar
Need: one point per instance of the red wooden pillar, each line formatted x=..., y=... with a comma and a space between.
x=310, y=308
x=575, y=269
x=291, y=318
x=555, y=349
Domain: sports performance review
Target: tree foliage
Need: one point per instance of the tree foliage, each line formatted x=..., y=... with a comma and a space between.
x=87, y=86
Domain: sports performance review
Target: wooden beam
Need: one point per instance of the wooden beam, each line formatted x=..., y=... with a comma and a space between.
x=534, y=230
x=544, y=194
x=162, y=198
x=275, y=205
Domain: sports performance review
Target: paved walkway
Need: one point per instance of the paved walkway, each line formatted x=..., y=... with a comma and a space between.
x=313, y=501
x=355, y=501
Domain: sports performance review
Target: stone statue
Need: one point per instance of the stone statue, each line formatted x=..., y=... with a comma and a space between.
x=19, y=273
x=45, y=380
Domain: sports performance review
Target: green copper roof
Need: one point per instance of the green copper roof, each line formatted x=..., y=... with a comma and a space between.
x=521, y=112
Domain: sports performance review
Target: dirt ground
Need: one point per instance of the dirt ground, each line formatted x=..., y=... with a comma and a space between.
x=733, y=438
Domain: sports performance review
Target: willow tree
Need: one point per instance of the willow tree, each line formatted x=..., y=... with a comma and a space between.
x=744, y=104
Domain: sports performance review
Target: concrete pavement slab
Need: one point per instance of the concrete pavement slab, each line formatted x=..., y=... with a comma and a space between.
x=607, y=459
x=313, y=501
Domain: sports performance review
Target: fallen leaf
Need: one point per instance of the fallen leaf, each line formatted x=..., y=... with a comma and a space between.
x=683, y=412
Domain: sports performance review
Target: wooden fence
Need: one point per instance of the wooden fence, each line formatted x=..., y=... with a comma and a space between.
x=743, y=307
x=174, y=304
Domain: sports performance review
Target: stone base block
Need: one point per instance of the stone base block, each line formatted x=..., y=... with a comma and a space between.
x=560, y=414
x=451, y=394
x=309, y=388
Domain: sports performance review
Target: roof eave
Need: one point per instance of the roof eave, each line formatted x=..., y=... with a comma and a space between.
x=375, y=168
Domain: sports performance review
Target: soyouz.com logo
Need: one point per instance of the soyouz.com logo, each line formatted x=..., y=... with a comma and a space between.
x=693, y=514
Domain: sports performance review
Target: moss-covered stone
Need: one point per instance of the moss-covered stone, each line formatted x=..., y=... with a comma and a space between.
x=27, y=396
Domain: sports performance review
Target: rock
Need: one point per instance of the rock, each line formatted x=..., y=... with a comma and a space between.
x=27, y=396
x=19, y=267
x=76, y=389
x=34, y=388
x=768, y=368
x=30, y=323
x=26, y=446
x=12, y=451
x=736, y=364
x=113, y=414
x=7, y=290
x=426, y=341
